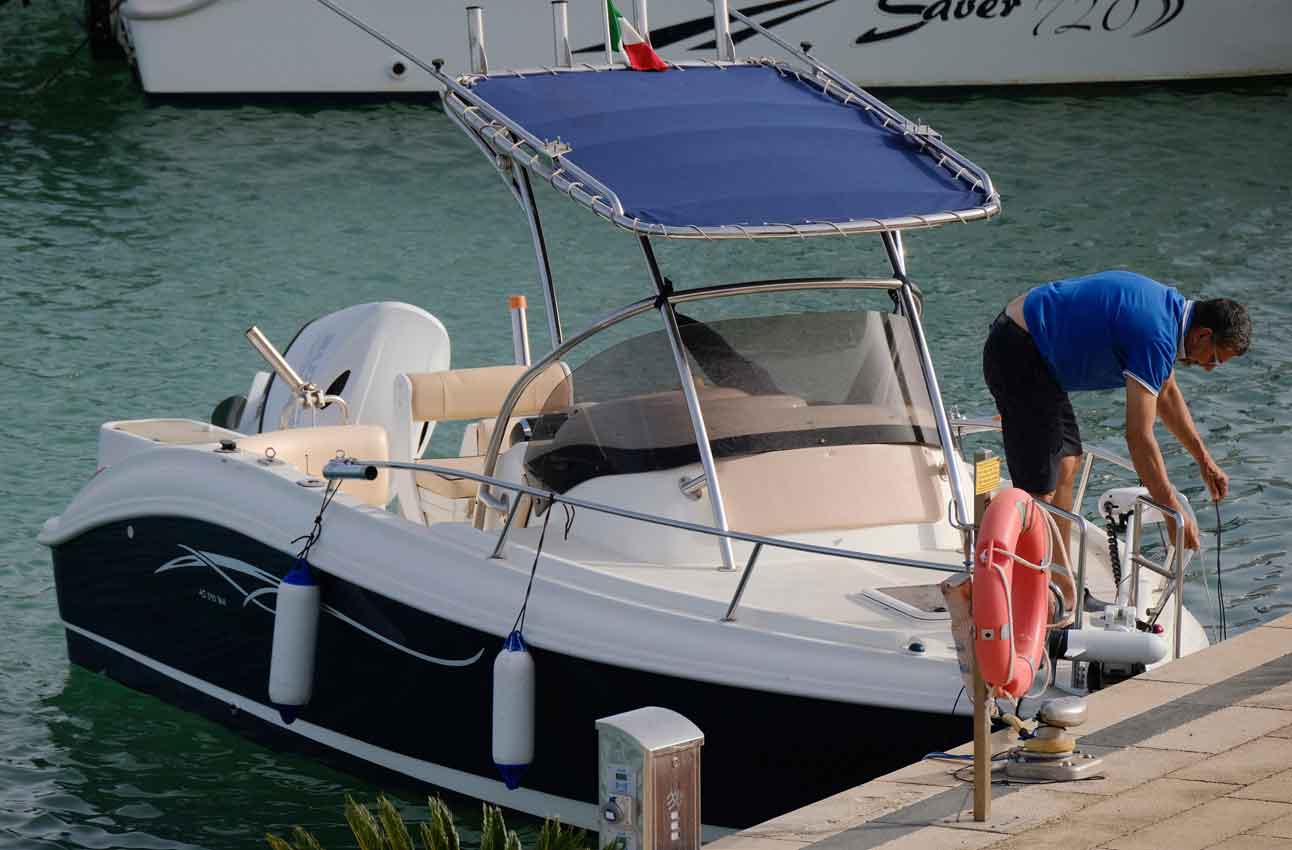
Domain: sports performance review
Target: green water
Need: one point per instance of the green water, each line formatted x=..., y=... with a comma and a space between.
x=138, y=241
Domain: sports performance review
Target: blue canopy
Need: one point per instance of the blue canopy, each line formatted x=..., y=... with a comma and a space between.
x=744, y=145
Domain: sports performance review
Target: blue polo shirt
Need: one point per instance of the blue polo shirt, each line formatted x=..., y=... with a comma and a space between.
x=1096, y=331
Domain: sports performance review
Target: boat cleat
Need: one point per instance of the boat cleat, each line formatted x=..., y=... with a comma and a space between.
x=1051, y=754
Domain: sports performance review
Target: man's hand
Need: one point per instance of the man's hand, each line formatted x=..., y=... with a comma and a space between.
x=1191, y=540
x=1215, y=478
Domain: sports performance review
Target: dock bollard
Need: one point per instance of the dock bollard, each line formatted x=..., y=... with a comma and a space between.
x=648, y=780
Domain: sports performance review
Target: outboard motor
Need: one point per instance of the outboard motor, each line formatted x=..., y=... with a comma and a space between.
x=354, y=353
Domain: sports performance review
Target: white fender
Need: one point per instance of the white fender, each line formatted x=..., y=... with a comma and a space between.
x=291, y=662
x=513, y=710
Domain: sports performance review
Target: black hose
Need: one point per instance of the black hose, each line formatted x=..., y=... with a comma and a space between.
x=1220, y=588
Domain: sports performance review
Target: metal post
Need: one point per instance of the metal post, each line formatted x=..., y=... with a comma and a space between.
x=730, y=616
x=981, y=747
x=692, y=404
x=605, y=22
x=540, y=252
x=701, y=432
x=722, y=32
x=641, y=19
x=561, y=33
x=1080, y=499
x=519, y=329
x=892, y=242
x=475, y=41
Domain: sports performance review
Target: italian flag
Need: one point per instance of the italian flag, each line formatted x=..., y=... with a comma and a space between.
x=625, y=39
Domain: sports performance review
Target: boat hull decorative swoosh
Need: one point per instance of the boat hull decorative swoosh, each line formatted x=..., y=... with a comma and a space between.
x=222, y=565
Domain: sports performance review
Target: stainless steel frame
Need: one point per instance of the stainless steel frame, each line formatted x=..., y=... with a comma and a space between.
x=546, y=159
x=644, y=305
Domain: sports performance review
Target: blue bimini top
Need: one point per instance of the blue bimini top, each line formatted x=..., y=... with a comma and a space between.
x=1097, y=331
x=734, y=146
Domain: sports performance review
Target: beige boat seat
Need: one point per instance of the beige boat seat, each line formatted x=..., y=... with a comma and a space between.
x=308, y=449
x=451, y=488
x=423, y=399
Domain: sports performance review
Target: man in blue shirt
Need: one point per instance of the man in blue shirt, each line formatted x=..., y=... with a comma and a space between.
x=1107, y=330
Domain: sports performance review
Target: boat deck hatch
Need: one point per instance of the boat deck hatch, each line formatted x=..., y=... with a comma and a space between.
x=922, y=601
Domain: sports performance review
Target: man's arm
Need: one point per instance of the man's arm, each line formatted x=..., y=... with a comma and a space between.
x=1141, y=414
x=1174, y=412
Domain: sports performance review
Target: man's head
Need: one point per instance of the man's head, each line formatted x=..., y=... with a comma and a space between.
x=1220, y=329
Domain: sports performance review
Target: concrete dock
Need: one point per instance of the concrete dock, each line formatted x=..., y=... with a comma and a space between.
x=1197, y=755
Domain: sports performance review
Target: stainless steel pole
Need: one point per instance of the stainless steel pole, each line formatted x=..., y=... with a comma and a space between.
x=540, y=252
x=475, y=40
x=605, y=22
x=692, y=403
x=701, y=432
x=722, y=32
x=642, y=19
x=893, y=243
x=561, y=33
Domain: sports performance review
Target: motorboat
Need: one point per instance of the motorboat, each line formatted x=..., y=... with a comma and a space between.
x=298, y=46
x=735, y=499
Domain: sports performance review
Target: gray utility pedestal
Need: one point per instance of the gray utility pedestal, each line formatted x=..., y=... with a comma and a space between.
x=648, y=780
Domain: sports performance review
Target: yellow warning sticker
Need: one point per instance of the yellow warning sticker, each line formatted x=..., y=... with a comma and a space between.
x=986, y=475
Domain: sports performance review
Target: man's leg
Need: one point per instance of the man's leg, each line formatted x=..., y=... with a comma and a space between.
x=1061, y=497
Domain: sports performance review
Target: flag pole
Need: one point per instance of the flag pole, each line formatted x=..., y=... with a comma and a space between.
x=561, y=33
x=605, y=21
x=643, y=24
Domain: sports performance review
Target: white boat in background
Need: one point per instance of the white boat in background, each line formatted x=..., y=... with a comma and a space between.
x=298, y=46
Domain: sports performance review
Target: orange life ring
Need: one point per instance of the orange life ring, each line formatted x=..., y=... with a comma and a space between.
x=1011, y=600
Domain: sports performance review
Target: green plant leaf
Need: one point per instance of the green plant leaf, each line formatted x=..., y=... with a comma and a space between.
x=276, y=843
x=392, y=824
x=366, y=831
x=439, y=833
x=493, y=831
x=513, y=841
x=553, y=836
x=303, y=840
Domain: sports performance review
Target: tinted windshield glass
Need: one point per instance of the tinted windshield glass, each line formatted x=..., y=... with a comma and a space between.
x=766, y=383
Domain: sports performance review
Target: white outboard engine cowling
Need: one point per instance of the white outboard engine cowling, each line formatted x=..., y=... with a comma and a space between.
x=354, y=353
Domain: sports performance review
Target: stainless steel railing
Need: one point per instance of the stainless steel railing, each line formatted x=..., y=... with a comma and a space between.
x=1172, y=571
x=350, y=468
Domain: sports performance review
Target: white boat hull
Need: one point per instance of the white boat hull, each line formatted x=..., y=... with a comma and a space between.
x=300, y=46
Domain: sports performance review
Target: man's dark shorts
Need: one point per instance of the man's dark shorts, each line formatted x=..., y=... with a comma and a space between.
x=1035, y=413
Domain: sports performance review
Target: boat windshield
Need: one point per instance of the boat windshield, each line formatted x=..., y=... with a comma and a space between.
x=765, y=383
